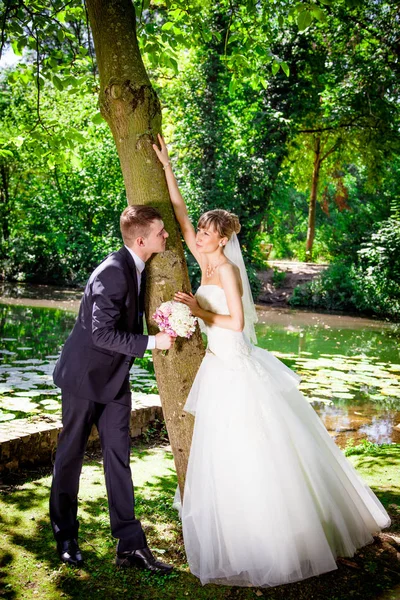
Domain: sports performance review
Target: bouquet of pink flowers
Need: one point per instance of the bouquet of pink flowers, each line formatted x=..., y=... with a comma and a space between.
x=176, y=319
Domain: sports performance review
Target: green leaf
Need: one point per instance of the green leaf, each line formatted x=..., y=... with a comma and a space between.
x=285, y=68
x=304, y=20
x=97, y=119
x=75, y=160
x=275, y=67
x=17, y=48
x=16, y=28
x=174, y=64
x=232, y=85
x=78, y=136
x=71, y=81
x=5, y=153
x=57, y=83
x=39, y=82
x=31, y=43
x=319, y=14
x=167, y=26
x=60, y=35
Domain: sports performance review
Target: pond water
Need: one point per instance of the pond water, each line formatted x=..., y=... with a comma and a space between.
x=30, y=341
x=350, y=367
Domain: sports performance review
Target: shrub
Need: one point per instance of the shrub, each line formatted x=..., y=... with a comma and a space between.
x=377, y=276
x=332, y=290
x=371, y=286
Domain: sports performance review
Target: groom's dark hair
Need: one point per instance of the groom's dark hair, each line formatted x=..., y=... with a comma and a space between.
x=135, y=221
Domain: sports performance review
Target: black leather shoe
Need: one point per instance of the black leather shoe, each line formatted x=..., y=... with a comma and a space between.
x=143, y=559
x=70, y=553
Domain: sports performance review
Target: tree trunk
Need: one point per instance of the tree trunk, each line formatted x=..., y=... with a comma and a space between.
x=5, y=201
x=131, y=108
x=313, y=200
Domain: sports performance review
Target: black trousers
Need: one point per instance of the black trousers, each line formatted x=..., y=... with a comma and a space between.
x=112, y=421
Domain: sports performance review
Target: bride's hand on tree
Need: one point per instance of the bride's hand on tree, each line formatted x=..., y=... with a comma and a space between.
x=190, y=301
x=163, y=153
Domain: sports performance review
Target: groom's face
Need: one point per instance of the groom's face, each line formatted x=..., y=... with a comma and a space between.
x=156, y=239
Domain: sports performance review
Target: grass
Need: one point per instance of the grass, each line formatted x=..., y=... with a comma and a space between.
x=29, y=566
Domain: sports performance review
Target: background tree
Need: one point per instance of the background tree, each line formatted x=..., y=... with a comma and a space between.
x=352, y=114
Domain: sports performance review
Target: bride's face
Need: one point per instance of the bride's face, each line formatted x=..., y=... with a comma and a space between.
x=208, y=240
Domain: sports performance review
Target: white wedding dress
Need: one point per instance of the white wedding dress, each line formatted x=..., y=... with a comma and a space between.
x=269, y=498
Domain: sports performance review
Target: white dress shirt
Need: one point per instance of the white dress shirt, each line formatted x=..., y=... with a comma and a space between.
x=140, y=265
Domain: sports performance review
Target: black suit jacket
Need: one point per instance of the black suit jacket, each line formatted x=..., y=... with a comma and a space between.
x=108, y=333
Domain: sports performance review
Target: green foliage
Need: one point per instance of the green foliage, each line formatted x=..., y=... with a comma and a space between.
x=345, y=119
x=365, y=447
x=377, y=276
x=341, y=222
x=155, y=433
x=242, y=83
x=371, y=286
x=63, y=206
x=278, y=277
x=331, y=290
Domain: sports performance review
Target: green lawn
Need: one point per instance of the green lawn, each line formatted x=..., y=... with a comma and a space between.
x=29, y=566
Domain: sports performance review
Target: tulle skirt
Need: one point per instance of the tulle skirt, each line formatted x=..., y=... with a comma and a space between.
x=269, y=498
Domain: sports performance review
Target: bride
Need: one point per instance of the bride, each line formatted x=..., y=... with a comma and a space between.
x=269, y=498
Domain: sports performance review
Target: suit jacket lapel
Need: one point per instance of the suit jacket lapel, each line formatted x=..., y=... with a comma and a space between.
x=132, y=278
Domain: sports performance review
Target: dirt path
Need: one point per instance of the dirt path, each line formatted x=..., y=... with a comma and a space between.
x=296, y=273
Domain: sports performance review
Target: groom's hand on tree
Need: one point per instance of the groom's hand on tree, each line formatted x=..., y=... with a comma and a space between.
x=164, y=341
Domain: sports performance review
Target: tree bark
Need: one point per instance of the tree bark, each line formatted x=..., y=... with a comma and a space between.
x=5, y=201
x=132, y=110
x=313, y=200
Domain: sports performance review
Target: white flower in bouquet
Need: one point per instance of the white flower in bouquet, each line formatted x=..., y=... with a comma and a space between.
x=175, y=319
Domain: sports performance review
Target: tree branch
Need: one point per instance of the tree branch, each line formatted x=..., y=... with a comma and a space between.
x=3, y=27
x=90, y=45
x=334, y=147
x=332, y=128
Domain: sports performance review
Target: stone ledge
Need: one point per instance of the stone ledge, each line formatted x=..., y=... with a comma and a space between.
x=30, y=442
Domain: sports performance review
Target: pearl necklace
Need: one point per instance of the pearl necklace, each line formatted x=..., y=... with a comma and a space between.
x=211, y=270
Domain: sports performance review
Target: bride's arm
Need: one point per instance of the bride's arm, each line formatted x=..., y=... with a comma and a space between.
x=231, y=286
x=177, y=201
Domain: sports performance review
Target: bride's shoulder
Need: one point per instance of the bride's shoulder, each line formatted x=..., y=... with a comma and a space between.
x=229, y=267
x=229, y=270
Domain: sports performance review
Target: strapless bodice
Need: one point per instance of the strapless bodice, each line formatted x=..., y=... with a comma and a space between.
x=224, y=343
x=212, y=298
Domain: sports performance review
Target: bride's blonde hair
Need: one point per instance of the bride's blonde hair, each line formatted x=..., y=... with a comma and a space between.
x=224, y=222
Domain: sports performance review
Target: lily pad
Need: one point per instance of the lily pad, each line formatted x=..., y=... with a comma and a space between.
x=6, y=416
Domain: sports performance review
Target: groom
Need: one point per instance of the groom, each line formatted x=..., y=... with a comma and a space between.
x=93, y=374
